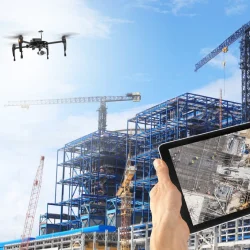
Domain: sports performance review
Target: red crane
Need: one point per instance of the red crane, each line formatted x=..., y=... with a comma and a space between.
x=29, y=221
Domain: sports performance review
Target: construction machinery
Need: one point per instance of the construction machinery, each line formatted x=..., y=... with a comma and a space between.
x=30, y=215
x=102, y=117
x=126, y=200
x=244, y=206
x=244, y=34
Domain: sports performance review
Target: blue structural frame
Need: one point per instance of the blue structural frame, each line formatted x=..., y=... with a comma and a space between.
x=87, y=174
x=180, y=117
x=90, y=168
x=245, y=70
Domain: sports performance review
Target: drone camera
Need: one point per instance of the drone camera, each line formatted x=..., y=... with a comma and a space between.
x=41, y=53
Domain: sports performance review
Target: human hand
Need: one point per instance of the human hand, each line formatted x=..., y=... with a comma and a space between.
x=170, y=231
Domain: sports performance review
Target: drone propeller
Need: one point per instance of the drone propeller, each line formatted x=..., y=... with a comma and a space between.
x=16, y=36
x=69, y=34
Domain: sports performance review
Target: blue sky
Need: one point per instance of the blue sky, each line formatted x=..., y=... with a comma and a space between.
x=154, y=52
x=150, y=46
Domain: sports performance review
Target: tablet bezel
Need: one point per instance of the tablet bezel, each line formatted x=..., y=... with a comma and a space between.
x=165, y=156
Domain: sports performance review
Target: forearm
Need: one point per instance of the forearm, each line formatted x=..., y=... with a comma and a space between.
x=167, y=240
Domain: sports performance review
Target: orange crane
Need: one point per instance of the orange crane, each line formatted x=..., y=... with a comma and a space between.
x=126, y=198
x=30, y=215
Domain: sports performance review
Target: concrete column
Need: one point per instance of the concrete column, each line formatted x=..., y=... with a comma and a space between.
x=118, y=239
x=94, y=241
x=219, y=234
x=83, y=241
x=215, y=236
x=132, y=237
x=71, y=243
x=236, y=230
x=106, y=239
x=146, y=238
x=196, y=241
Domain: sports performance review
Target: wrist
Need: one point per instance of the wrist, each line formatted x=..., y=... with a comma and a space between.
x=165, y=239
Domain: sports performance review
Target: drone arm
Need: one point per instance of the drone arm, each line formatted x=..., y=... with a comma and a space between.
x=55, y=42
x=23, y=47
x=26, y=42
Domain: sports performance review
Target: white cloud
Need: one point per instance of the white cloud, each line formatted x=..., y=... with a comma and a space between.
x=231, y=85
x=229, y=58
x=179, y=5
x=26, y=135
x=176, y=7
x=56, y=16
x=236, y=7
x=231, y=89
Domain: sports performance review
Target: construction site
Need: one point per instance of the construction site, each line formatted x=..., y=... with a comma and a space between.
x=214, y=175
x=103, y=179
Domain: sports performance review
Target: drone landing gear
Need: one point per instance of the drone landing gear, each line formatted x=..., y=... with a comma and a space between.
x=13, y=51
x=20, y=46
x=64, y=46
x=47, y=49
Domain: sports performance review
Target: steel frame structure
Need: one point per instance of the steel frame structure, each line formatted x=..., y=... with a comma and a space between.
x=180, y=117
x=81, y=162
x=245, y=74
x=88, y=172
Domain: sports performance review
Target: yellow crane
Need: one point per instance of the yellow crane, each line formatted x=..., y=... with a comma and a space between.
x=126, y=199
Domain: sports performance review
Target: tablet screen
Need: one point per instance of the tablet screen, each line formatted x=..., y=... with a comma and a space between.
x=214, y=175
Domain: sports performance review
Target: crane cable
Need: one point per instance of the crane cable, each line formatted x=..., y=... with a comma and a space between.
x=224, y=50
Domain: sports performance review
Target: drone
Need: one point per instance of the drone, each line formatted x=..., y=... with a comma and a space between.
x=36, y=43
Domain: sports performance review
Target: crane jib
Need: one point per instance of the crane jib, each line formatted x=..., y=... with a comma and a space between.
x=230, y=40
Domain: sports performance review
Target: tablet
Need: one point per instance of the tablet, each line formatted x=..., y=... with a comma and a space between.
x=212, y=172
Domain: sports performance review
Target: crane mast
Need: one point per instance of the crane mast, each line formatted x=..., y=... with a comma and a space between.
x=31, y=212
x=244, y=34
x=102, y=116
x=126, y=201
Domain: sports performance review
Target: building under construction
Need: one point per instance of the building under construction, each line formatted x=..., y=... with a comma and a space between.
x=87, y=213
x=89, y=172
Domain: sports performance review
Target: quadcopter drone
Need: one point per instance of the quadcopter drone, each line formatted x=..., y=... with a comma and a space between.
x=36, y=43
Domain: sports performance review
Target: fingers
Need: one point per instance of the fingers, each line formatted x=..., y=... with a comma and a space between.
x=162, y=171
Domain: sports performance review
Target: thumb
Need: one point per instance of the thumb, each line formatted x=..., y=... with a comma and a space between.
x=162, y=171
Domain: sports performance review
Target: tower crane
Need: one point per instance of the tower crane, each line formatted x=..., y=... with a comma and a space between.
x=102, y=116
x=244, y=34
x=31, y=212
